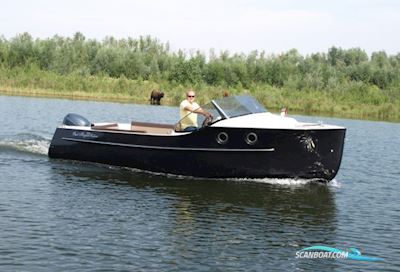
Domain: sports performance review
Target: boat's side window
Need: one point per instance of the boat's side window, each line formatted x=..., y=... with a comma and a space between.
x=222, y=138
x=251, y=138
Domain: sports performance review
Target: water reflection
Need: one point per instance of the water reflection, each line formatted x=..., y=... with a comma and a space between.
x=304, y=205
x=216, y=219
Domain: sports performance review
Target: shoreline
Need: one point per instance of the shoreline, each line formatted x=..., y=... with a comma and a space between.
x=339, y=83
x=120, y=98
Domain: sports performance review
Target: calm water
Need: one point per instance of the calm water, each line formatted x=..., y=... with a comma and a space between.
x=69, y=216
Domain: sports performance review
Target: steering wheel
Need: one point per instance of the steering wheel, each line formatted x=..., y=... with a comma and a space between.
x=207, y=121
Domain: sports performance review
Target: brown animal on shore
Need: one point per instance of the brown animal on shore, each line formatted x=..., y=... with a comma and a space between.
x=155, y=97
x=226, y=94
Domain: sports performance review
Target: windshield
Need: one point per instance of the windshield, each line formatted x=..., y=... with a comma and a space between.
x=238, y=105
x=227, y=107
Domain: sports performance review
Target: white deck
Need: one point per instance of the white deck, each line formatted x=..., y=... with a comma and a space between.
x=267, y=120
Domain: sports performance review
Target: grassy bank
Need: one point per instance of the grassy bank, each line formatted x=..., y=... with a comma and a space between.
x=354, y=100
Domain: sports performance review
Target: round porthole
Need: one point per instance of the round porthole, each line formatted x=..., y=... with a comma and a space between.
x=222, y=138
x=251, y=138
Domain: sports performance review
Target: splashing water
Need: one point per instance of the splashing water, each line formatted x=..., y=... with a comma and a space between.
x=279, y=181
x=291, y=182
x=26, y=143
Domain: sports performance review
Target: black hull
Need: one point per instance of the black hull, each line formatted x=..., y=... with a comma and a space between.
x=277, y=153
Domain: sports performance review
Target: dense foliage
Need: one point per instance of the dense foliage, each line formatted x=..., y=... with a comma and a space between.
x=340, y=74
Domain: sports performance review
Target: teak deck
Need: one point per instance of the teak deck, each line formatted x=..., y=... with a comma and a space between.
x=139, y=127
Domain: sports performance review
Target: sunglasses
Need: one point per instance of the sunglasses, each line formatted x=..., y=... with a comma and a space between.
x=191, y=96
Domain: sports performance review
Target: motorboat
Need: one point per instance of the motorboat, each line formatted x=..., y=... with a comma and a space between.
x=238, y=138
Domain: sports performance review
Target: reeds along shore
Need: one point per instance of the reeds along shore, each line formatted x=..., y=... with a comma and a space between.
x=346, y=83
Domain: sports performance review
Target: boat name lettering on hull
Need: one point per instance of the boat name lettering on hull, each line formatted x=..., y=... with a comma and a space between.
x=84, y=134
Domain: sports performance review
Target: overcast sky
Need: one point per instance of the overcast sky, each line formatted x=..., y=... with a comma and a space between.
x=235, y=25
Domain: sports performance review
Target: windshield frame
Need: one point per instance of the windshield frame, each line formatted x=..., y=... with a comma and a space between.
x=221, y=111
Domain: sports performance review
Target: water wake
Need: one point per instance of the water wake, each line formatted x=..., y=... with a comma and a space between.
x=335, y=183
x=273, y=181
x=279, y=181
x=295, y=182
x=29, y=143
